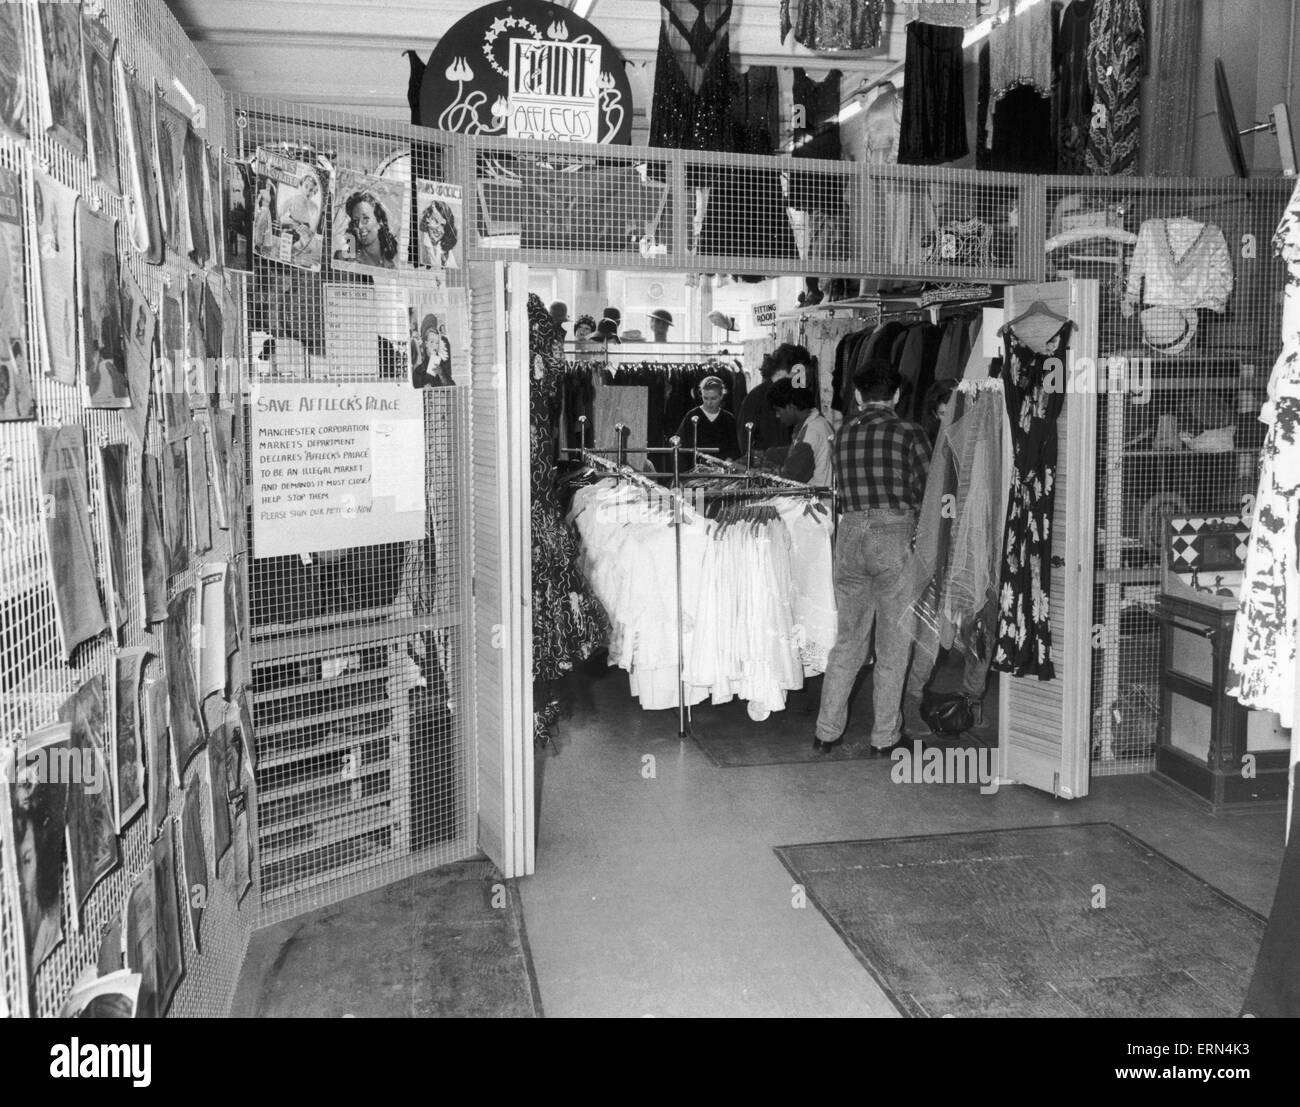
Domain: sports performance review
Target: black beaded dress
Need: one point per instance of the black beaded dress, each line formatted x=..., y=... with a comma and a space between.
x=568, y=621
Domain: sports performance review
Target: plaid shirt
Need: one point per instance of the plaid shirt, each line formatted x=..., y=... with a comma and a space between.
x=881, y=461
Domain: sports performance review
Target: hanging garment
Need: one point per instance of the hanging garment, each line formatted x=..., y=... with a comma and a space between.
x=1072, y=94
x=1033, y=404
x=1179, y=263
x=1115, y=74
x=819, y=103
x=820, y=195
x=567, y=621
x=933, y=127
x=822, y=337
x=1015, y=130
x=1274, y=991
x=1020, y=52
x=1174, y=38
x=1262, y=663
x=693, y=84
x=826, y=25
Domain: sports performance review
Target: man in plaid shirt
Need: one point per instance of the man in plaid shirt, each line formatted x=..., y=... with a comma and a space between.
x=881, y=464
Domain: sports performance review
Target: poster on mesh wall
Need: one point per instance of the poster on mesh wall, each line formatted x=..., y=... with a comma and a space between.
x=439, y=329
x=128, y=735
x=92, y=829
x=55, y=211
x=200, y=499
x=168, y=143
x=33, y=822
x=139, y=949
x=440, y=224
x=194, y=860
x=172, y=384
x=138, y=174
x=140, y=330
x=169, y=955
x=219, y=777
x=365, y=331
x=176, y=505
x=212, y=642
x=238, y=200
x=13, y=81
x=65, y=494
x=185, y=721
x=335, y=466
x=369, y=222
x=153, y=545
x=62, y=106
x=197, y=199
x=112, y=505
x=97, y=47
x=289, y=222
x=103, y=347
x=16, y=398
x=153, y=722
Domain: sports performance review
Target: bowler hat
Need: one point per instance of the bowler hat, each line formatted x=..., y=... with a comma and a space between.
x=663, y=315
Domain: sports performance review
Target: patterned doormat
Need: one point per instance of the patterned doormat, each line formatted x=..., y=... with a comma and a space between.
x=1049, y=921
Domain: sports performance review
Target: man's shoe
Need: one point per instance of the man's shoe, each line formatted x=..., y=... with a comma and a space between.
x=885, y=751
x=825, y=747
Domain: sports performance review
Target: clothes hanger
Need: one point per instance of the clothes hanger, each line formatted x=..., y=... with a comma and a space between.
x=1036, y=308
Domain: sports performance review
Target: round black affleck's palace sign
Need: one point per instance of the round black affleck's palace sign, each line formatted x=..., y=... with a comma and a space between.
x=527, y=69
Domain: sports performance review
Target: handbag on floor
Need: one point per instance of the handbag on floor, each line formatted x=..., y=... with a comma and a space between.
x=947, y=712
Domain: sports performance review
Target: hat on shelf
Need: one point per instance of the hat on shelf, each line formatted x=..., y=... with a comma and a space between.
x=663, y=315
x=607, y=330
x=1168, y=330
x=722, y=322
x=633, y=336
x=559, y=312
x=615, y=314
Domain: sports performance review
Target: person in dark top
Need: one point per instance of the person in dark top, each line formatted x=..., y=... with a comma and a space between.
x=787, y=360
x=709, y=426
x=881, y=464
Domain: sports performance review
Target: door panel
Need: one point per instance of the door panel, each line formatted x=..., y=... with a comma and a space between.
x=1043, y=725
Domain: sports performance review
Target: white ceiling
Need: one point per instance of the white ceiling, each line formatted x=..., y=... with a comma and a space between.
x=346, y=54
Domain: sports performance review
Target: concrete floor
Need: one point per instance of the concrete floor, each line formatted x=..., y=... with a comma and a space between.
x=661, y=896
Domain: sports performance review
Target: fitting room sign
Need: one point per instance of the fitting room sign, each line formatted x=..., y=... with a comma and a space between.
x=335, y=466
x=554, y=91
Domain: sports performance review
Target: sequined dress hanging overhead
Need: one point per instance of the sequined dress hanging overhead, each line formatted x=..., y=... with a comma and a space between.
x=1114, y=55
x=693, y=82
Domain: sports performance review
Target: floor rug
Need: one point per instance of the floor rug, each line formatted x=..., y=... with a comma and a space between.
x=449, y=943
x=1049, y=921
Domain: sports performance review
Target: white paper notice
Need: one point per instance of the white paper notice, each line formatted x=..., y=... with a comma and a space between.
x=397, y=462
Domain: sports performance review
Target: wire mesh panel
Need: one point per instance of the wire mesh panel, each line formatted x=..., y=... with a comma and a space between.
x=66, y=285
x=1189, y=331
x=358, y=587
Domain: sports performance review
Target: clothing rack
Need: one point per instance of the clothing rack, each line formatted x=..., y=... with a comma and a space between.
x=620, y=470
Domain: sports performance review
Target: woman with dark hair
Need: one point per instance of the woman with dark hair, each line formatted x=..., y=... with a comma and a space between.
x=374, y=244
x=38, y=843
x=434, y=367
x=438, y=236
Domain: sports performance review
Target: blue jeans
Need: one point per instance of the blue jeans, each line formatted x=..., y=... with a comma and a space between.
x=871, y=552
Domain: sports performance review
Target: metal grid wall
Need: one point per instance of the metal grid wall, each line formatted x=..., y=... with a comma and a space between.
x=1178, y=435
x=35, y=680
x=584, y=207
x=360, y=668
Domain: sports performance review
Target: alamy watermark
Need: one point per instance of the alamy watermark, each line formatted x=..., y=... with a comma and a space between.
x=1099, y=376
x=954, y=765
x=79, y=765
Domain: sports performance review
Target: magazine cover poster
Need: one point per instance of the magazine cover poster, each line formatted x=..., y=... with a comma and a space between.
x=55, y=212
x=138, y=945
x=175, y=504
x=219, y=776
x=153, y=545
x=65, y=492
x=182, y=683
x=92, y=829
x=153, y=720
x=289, y=219
x=169, y=952
x=196, y=197
x=439, y=224
x=238, y=198
x=369, y=215
x=112, y=503
x=193, y=860
x=143, y=220
x=168, y=135
x=103, y=348
x=97, y=46
x=128, y=736
x=65, y=113
x=140, y=326
x=33, y=821
x=439, y=327
x=16, y=398
x=13, y=81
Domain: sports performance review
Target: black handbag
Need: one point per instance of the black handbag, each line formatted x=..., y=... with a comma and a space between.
x=947, y=712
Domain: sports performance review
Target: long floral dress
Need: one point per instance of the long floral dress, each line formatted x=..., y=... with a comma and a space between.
x=1034, y=386
x=568, y=621
x=1261, y=665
